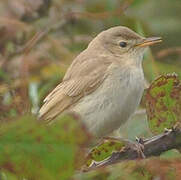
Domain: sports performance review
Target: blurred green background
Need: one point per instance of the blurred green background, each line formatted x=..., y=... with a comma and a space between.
x=40, y=38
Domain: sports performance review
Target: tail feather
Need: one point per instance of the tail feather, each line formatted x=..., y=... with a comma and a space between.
x=54, y=107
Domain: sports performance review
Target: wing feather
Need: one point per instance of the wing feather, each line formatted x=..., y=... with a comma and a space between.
x=82, y=77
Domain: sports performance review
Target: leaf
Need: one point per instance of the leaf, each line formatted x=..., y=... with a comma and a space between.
x=163, y=103
x=104, y=150
x=137, y=2
x=37, y=151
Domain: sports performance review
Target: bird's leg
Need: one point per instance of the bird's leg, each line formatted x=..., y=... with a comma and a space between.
x=139, y=147
x=176, y=126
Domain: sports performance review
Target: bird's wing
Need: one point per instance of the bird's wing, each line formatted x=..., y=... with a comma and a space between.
x=82, y=78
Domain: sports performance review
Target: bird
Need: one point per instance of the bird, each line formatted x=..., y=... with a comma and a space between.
x=104, y=84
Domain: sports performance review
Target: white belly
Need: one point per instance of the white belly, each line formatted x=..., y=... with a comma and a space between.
x=111, y=105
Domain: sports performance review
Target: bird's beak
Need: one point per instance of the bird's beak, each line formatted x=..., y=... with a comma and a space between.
x=149, y=41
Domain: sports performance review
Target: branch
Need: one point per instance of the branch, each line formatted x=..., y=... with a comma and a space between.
x=68, y=17
x=153, y=146
x=166, y=52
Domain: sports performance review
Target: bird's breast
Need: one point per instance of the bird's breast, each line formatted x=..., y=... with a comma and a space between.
x=113, y=102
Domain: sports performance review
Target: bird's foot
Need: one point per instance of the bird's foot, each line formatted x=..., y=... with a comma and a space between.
x=139, y=147
x=166, y=130
x=176, y=127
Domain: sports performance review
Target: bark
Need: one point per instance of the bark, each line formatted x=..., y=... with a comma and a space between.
x=144, y=148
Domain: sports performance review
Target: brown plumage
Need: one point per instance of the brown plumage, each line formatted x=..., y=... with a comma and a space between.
x=83, y=76
x=104, y=84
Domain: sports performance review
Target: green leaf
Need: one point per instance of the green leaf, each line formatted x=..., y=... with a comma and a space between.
x=138, y=2
x=34, y=150
x=104, y=150
x=163, y=103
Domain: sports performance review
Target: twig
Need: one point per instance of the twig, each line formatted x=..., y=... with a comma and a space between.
x=38, y=36
x=68, y=17
x=102, y=15
x=153, y=146
x=168, y=51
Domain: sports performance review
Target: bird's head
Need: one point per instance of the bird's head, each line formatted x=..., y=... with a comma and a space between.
x=121, y=40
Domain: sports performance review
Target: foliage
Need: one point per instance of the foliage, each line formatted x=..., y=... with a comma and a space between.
x=34, y=150
x=162, y=98
x=104, y=150
x=39, y=39
x=163, y=103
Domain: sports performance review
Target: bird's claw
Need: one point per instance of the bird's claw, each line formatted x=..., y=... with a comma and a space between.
x=139, y=147
x=139, y=140
x=176, y=127
x=166, y=130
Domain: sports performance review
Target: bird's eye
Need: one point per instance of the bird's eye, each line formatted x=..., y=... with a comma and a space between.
x=123, y=44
